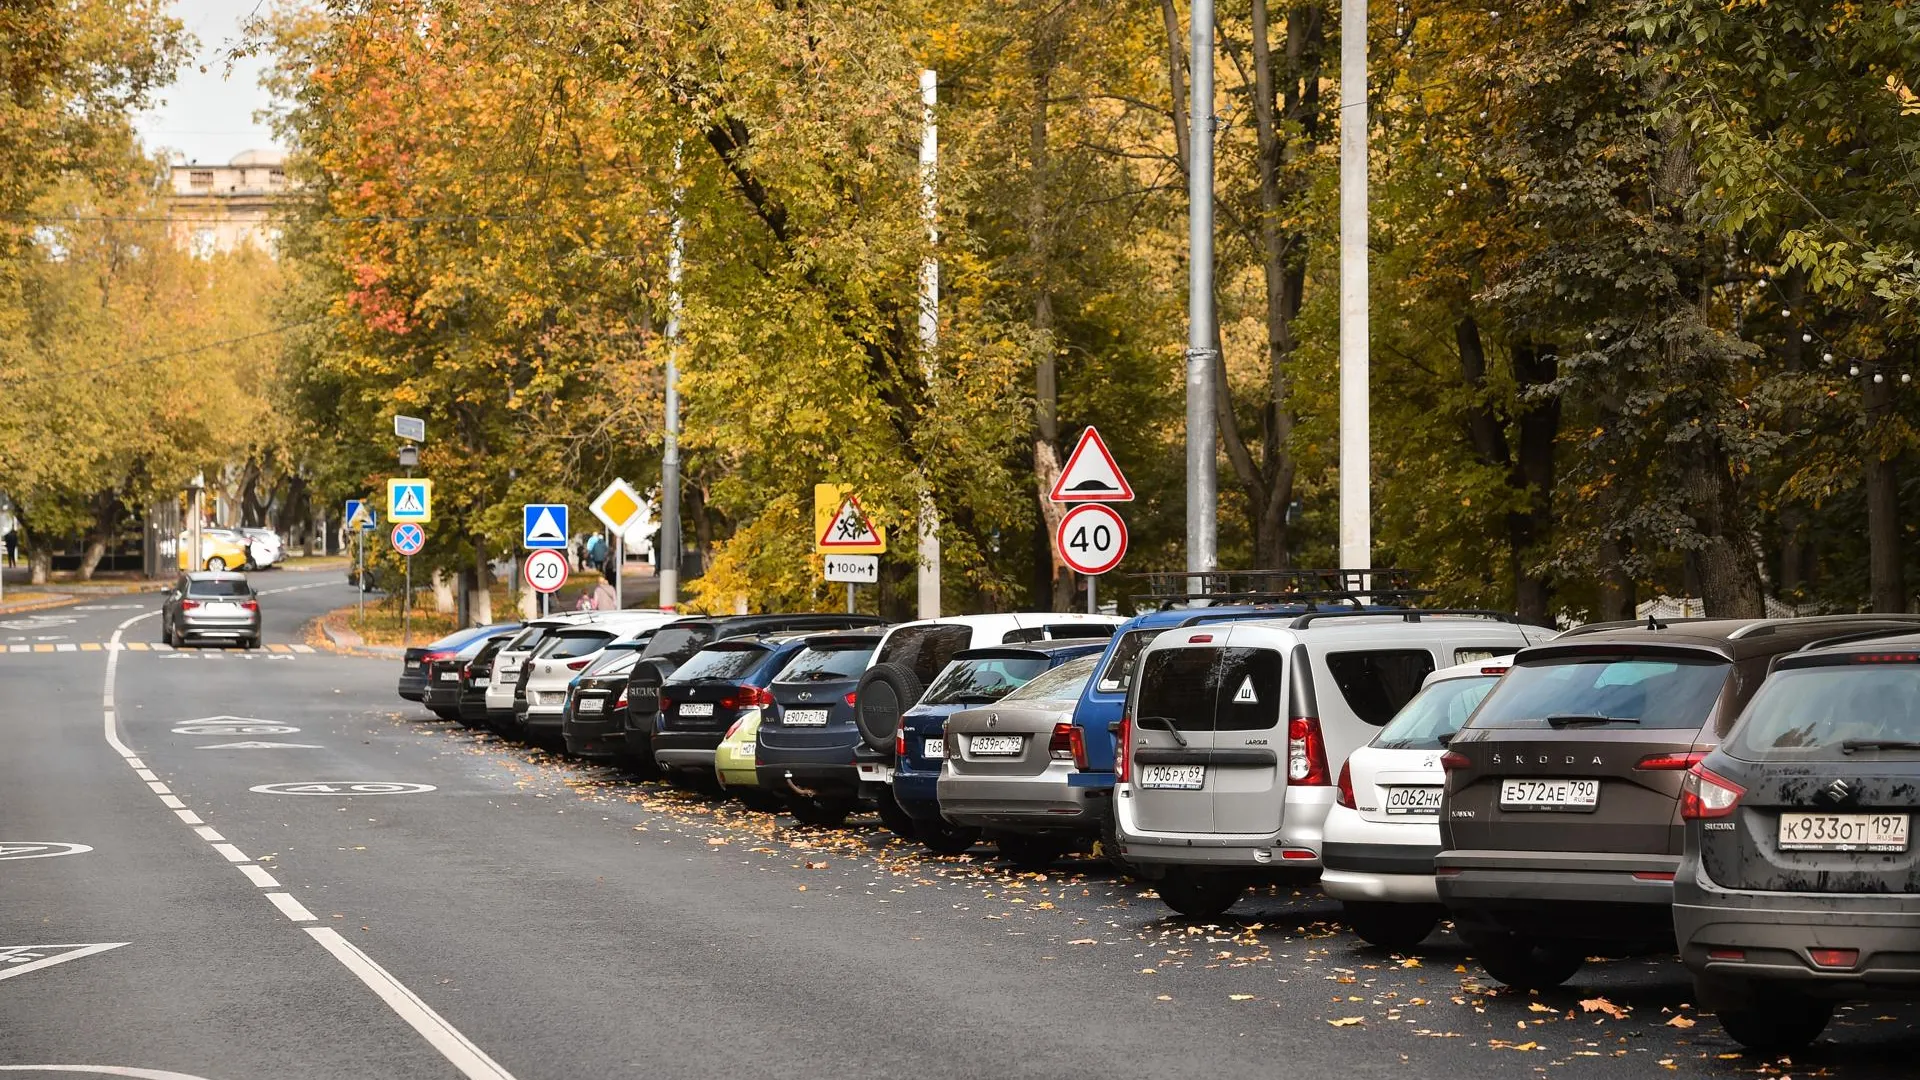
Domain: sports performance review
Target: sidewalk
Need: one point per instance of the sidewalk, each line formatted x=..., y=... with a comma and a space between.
x=20, y=596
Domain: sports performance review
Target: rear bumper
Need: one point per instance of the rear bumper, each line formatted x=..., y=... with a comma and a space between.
x=1295, y=849
x=917, y=791
x=685, y=749
x=808, y=778
x=1775, y=931
x=444, y=695
x=1395, y=873
x=233, y=629
x=1577, y=894
x=546, y=719
x=1046, y=802
x=593, y=741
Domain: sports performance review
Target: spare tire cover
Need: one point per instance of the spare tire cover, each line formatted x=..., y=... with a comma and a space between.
x=885, y=692
x=643, y=686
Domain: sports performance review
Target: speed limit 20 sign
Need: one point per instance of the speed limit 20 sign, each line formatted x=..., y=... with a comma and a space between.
x=545, y=570
x=1091, y=539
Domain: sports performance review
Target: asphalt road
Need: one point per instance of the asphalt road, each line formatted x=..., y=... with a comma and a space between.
x=531, y=918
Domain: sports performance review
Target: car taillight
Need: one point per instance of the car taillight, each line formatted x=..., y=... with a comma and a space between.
x=1306, y=753
x=1454, y=759
x=1060, y=747
x=189, y=605
x=748, y=697
x=1077, y=746
x=466, y=671
x=900, y=742
x=1123, y=752
x=666, y=703
x=1887, y=658
x=1670, y=762
x=851, y=694
x=1706, y=795
x=1345, y=794
x=430, y=657
x=250, y=605
x=733, y=729
x=621, y=701
x=580, y=663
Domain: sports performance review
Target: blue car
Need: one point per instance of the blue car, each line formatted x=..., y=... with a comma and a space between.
x=975, y=677
x=705, y=695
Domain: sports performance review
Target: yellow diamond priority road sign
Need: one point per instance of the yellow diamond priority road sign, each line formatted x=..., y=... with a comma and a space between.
x=617, y=506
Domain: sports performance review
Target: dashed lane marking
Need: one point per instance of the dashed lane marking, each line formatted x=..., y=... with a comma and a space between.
x=280, y=650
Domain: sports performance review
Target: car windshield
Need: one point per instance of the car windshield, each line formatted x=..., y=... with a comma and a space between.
x=831, y=662
x=1435, y=714
x=1831, y=713
x=218, y=588
x=613, y=662
x=1062, y=684
x=568, y=644
x=982, y=680
x=1118, y=675
x=727, y=660
x=1646, y=691
x=679, y=643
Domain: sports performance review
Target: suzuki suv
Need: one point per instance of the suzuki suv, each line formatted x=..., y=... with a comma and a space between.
x=1560, y=826
x=1798, y=882
x=1234, y=734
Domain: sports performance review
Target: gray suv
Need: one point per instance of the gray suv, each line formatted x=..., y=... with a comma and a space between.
x=1560, y=826
x=211, y=605
x=1797, y=887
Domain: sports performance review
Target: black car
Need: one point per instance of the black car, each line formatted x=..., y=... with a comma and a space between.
x=413, y=664
x=1799, y=877
x=594, y=723
x=676, y=643
x=443, y=672
x=806, y=740
x=474, y=680
x=710, y=691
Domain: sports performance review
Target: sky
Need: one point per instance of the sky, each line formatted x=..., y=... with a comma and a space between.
x=208, y=115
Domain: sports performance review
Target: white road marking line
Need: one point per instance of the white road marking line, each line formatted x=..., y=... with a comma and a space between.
x=78, y=951
x=104, y=1070
x=189, y=817
x=472, y=1061
x=206, y=833
x=291, y=908
x=172, y=802
x=66, y=646
x=136, y=763
x=159, y=788
x=231, y=853
x=259, y=877
x=19, y=648
x=303, y=648
x=145, y=774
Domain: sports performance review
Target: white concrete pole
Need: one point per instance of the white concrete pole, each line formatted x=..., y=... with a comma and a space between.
x=929, y=552
x=1202, y=481
x=1356, y=443
x=670, y=444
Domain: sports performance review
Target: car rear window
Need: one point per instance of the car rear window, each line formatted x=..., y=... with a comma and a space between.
x=218, y=588
x=679, y=643
x=1212, y=689
x=1831, y=713
x=1435, y=714
x=613, y=662
x=925, y=649
x=568, y=644
x=982, y=680
x=1606, y=691
x=1377, y=684
x=726, y=660
x=527, y=640
x=1062, y=684
x=829, y=662
x=1118, y=674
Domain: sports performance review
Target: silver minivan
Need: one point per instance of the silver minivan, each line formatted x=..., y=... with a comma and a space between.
x=1234, y=734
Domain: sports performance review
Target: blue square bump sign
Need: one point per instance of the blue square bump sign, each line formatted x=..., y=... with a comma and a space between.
x=544, y=525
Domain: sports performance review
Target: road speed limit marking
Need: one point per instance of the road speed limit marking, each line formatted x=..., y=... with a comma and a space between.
x=545, y=571
x=343, y=787
x=1091, y=539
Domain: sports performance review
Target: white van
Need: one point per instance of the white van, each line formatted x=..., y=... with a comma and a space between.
x=1234, y=733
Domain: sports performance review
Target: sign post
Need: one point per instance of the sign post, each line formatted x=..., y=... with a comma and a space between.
x=847, y=536
x=1097, y=537
x=408, y=539
x=617, y=507
x=360, y=518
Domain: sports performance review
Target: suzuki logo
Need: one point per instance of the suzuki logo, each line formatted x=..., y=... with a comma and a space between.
x=1839, y=792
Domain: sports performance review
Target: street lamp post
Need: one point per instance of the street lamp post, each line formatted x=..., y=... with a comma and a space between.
x=1202, y=482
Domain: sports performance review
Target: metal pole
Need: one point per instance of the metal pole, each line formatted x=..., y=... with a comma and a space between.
x=1093, y=606
x=849, y=597
x=1356, y=452
x=406, y=619
x=360, y=560
x=1202, y=530
x=929, y=553
x=198, y=559
x=670, y=444
x=619, y=563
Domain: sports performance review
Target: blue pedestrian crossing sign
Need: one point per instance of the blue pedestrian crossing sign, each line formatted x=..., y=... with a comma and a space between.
x=361, y=516
x=408, y=539
x=544, y=525
x=410, y=500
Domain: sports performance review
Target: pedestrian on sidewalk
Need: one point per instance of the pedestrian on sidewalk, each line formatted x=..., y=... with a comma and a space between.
x=13, y=544
x=603, y=597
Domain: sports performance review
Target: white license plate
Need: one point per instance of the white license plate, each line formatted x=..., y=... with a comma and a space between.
x=1413, y=800
x=1173, y=777
x=696, y=708
x=483, y=681
x=874, y=772
x=746, y=750
x=1843, y=832
x=995, y=745
x=1575, y=795
x=804, y=717
x=449, y=676
x=591, y=704
x=220, y=607
x=412, y=664
x=935, y=749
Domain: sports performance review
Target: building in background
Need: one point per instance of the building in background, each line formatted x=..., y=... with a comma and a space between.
x=227, y=207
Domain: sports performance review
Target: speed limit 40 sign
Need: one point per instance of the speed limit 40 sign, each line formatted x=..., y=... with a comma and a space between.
x=1091, y=539
x=545, y=570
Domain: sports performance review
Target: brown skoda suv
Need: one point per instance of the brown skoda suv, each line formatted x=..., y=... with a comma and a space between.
x=1560, y=827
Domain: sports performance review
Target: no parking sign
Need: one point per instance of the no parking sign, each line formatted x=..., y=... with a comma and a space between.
x=409, y=538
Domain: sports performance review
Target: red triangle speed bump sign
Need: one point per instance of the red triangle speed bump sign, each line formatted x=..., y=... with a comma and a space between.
x=1091, y=474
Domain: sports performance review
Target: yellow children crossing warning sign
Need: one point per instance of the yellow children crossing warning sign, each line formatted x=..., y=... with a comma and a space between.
x=841, y=526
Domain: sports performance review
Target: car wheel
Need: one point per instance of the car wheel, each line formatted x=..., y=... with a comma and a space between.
x=819, y=811
x=946, y=838
x=897, y=821
x=1029, y=852
x=1779, y=1022
x=253, y=642
x=1525, y=964
x=1110, y=847
x=216, y=564
x=1199, y=895
x=1393, y=927
x=885, y=692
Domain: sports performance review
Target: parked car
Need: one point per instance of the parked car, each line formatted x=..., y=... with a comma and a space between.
x=913, y=654
x=805, y=746
x=413, y=663
x=219, y=550
x=443, y=674
x=208, y=605
x=593, y=725
x=733, y=761
x=264, y=547
x=715, y=687
x=505, y=679
x=1560, y=827
x=1797, y=885
x=475, y=678
x=1010, y=766
x=974, y=677
x=1234, y=735
x=1384, y=828
x=540, y=702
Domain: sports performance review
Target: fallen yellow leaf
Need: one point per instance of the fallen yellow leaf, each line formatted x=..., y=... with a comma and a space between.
x=1602, y=1005
x=1348, y=1021
x=1537, y=1007
x=1239, y=997
x=1680, y=1022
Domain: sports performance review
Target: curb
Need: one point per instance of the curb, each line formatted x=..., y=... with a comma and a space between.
x=343, y=642
x=67, y=598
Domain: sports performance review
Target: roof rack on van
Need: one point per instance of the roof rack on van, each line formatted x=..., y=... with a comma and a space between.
x=1306, y=588
x=1412, y=615
x=1628, y=624
x=1768, y=626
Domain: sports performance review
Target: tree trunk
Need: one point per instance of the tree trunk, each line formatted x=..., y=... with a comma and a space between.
x=1729, y=582
x=1886, y=581
x=480, y=602
x=1616, y=585
x=1044, y=56
x=39, y=564
x=100, y=536
x=444, y=601
x=1793, y=519
x=1529, y=532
